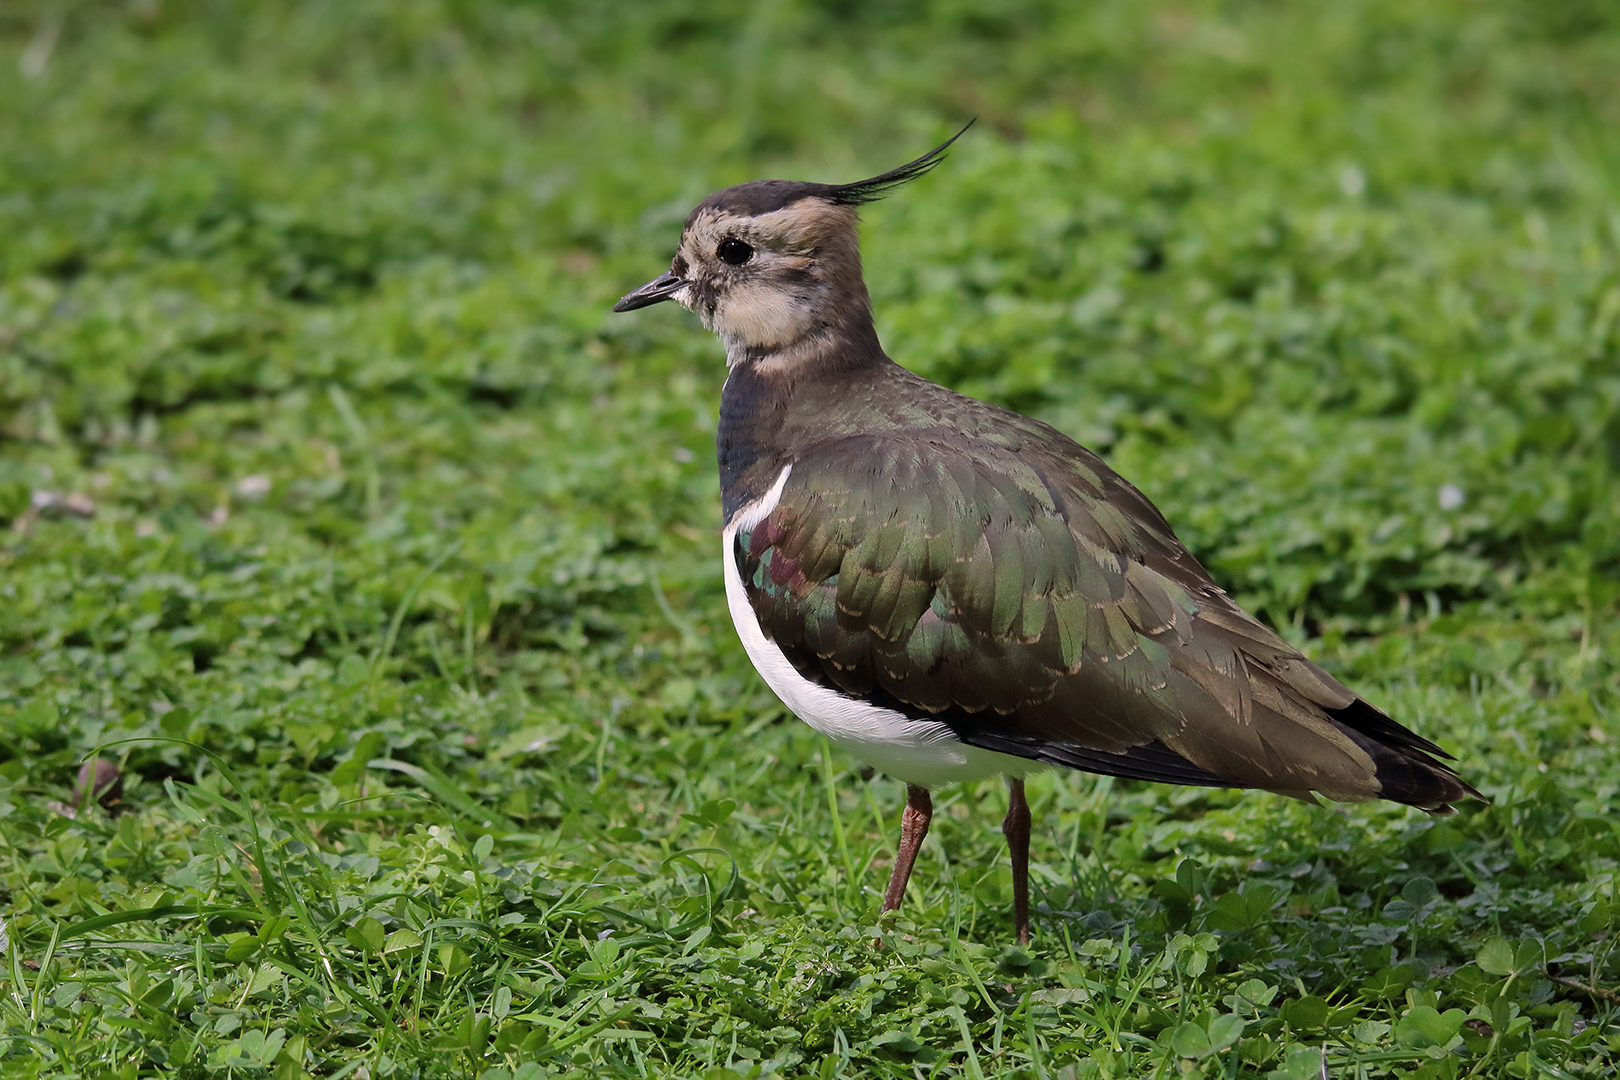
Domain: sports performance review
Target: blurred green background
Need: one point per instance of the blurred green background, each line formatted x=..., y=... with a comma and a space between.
x=319, y=447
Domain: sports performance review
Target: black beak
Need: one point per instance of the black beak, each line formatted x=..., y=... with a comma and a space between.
x=656, y=291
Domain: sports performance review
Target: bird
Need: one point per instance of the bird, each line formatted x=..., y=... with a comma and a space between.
x=950, y=590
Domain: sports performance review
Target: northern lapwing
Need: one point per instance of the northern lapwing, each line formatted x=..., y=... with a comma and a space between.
x=949, y=590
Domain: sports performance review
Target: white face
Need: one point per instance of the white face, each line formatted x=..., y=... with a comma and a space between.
x=765, y=283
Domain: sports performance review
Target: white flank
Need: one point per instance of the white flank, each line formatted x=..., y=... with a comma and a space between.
x=922, y=752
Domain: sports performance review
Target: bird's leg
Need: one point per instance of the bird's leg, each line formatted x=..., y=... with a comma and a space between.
x=913, y=827
x=1015, y=826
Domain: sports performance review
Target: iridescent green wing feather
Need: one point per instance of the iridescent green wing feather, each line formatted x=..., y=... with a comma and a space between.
x=1029, y=598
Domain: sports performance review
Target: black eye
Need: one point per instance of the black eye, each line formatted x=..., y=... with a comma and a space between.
x=734, y=251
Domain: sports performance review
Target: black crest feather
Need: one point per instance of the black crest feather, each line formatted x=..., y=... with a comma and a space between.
x=764, y=196
x=875, y=188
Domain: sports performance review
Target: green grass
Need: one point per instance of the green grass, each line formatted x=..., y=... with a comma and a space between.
x=343, y=517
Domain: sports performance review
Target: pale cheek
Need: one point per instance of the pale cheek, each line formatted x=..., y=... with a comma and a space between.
x=761, y=319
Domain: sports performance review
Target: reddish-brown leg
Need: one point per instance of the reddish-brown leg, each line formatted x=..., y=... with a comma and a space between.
x=1015, y=826
x=913, y=827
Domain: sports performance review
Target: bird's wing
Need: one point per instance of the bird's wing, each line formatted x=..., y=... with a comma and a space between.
x=1040, y=606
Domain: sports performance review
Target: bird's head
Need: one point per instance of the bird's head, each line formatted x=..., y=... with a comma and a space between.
x=775, y=265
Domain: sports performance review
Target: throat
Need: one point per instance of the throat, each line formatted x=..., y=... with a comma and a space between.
x=802, y=352
x=823, y=350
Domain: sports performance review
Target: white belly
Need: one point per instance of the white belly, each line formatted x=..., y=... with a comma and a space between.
x=921, y=752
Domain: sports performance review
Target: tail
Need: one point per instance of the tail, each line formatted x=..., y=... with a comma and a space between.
x=1410, y=769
